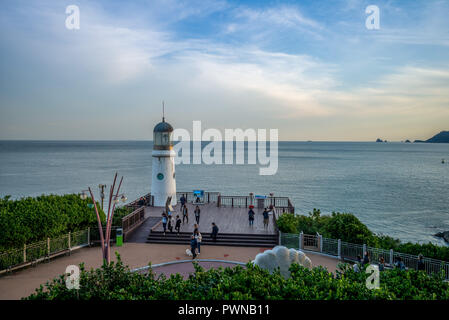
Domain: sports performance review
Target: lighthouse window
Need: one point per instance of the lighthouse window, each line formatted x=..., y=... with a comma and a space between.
x=165, y=138
x=160, y=176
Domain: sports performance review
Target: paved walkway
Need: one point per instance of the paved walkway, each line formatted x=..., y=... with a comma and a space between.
x=23, y=283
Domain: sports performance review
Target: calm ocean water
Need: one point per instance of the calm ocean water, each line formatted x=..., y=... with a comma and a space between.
x=397, y=189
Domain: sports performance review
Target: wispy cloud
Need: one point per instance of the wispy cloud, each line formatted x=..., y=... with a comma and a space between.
x=126, y=63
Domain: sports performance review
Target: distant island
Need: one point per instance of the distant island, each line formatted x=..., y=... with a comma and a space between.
x=380, y=140
x=442, y=137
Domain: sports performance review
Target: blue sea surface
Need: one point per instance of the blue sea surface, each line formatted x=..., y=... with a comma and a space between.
x=397, y=189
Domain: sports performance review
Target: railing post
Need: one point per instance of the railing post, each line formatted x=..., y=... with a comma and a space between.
x=364, y=249
x=218, y=200
x=320, y=239
x=301, y=241
x=24, y=252
x=391, y=256
x=88, y=236
x=232, y=198
x=69, y=242
x=48, y=246
x=339, y=248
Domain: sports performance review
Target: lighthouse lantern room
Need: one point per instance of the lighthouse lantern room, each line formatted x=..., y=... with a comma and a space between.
x=163, y=183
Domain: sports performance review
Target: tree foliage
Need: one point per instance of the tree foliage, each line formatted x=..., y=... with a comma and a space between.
x=32, y=219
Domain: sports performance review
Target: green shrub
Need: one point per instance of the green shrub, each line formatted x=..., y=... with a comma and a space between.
x=119, y=213
x=33, y=219
x=116, y=282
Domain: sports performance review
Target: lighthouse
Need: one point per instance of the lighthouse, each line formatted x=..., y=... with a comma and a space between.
x=163, y=183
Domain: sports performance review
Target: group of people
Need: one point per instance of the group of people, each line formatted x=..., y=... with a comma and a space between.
x=196, y=238
x=185, y=211
x=265, y=214
x=169, y=222
x=399, y=264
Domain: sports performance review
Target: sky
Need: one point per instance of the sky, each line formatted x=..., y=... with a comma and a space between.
x=310, y=69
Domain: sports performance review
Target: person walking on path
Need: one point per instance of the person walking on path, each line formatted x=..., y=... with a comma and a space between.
x=198, y=238
x=178, y=224
x=399, y=264
x=381, y=264
x=421, y=264
x=214, y=232
x=164, y=222
x=197, y=214
x=251, y=215
x=266, y=218
x=185, y=214
x=193, y=245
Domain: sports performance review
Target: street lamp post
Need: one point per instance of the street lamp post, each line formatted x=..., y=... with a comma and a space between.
x=105, y=238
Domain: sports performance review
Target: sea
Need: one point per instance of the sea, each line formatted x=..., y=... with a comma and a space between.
x=396, y=189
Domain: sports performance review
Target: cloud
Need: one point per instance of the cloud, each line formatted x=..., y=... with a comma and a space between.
x=126, y=64
x=281, y=257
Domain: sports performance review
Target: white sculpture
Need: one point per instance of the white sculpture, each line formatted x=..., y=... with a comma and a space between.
x=282, y=257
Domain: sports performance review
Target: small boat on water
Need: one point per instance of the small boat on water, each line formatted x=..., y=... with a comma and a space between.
x=442, y=160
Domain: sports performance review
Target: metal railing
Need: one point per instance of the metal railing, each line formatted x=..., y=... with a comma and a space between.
x=42, y=250
x=281, y=204
x=330, y=246
x=209, y=197
x=310, y=241
x=235, y=201
x=133, y=220
x=148, y=201
x=350, y=251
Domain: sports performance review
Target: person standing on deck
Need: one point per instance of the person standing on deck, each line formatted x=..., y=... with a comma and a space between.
x=195, y=229
x=251, y=215
x=183, y=201
x=164, y=222
x=178, y=224
x=171, y=223
x=185, y=214
x=266, y=218
x=193, y=245
x=197, y=214
x=214, y=231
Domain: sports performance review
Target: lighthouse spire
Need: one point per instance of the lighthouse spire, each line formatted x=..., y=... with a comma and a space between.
x=163, y=111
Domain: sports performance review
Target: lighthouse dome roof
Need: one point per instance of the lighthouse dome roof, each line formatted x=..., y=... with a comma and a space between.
x=163, y=127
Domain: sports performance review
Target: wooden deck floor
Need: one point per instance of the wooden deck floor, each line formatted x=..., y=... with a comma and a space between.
x=228, y=219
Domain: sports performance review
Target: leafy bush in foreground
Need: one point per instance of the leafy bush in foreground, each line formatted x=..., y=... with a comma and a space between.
x=116, y=282
x=32, y=219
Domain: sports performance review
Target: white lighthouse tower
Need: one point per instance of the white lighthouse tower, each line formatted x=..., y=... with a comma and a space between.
x=163, y=183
